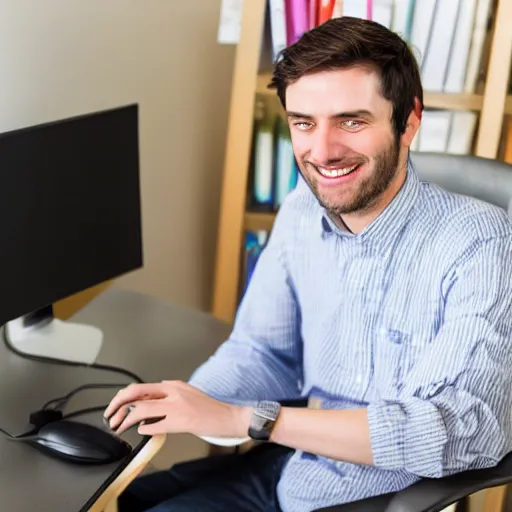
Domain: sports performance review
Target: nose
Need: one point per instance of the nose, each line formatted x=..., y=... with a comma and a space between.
x=325, y=147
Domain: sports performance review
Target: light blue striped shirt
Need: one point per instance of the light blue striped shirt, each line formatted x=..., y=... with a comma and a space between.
x=412, y=319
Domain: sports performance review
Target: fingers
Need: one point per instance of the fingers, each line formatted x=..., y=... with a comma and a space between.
x=119, y=416
x=132, y=393
x=153, y=428
x=136, y=413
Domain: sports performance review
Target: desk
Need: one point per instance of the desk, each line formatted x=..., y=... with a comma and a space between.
x=154, y=339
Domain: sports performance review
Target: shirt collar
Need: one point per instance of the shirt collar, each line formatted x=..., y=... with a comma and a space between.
x=386, y=226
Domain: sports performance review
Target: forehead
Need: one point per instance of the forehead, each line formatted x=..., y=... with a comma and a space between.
x=342, y=90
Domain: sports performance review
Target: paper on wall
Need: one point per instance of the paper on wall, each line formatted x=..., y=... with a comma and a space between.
x=230, y=21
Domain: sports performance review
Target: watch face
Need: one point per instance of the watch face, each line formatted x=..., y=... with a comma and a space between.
x=268, y=410
x=263, y=420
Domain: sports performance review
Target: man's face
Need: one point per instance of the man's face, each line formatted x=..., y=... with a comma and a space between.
x=343, y=137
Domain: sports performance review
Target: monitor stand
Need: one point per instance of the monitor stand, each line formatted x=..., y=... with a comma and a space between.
x=41, y=334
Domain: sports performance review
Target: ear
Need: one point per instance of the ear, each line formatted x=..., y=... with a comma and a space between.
x=413, y=124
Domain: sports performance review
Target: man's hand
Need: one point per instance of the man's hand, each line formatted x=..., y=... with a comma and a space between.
x=183, y=409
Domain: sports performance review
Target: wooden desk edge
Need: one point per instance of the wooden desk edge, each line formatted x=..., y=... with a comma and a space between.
x=107, y=500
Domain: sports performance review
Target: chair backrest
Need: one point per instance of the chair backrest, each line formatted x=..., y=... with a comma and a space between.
x=482, y=178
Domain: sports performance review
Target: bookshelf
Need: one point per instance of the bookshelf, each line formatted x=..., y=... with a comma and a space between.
x=491, y=102
x=462, y=101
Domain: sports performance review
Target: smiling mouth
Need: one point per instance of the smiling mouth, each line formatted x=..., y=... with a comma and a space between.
x=336, y=173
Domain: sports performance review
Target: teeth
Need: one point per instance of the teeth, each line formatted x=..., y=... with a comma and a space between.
x=335, y=173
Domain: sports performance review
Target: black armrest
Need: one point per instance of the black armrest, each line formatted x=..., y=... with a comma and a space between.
x=430, y=495
x=295, y=402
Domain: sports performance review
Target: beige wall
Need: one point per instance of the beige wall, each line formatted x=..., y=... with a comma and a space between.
x=60, y=58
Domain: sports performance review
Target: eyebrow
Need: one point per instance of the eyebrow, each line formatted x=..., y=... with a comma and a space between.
x=341, y=115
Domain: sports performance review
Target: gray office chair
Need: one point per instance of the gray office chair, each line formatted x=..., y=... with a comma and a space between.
x=490, y=181
x=482, y=178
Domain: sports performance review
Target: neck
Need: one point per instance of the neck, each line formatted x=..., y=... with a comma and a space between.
x=357, y=222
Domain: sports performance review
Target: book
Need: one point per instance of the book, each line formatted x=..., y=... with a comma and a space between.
x=263, y=157
x=285, y=166
x=255, y=242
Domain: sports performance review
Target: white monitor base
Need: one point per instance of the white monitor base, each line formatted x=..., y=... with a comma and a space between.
x=57, y=340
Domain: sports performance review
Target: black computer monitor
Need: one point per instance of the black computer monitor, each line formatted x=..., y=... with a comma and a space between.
x=70, y=219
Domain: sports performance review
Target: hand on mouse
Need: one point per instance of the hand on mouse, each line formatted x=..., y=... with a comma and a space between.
x=184, y=409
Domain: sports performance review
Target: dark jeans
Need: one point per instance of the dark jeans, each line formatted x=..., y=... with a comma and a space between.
x=220, y=483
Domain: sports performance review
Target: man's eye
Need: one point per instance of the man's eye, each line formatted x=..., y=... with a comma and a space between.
x=302, y=125
x=351, y=123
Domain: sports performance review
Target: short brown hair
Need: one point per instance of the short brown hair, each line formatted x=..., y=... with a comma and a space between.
x=347, y=41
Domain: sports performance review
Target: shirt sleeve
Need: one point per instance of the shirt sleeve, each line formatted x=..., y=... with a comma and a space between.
x=261, y=360
x=455, y=415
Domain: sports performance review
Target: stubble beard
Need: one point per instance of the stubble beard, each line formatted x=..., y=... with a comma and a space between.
x=385, y=168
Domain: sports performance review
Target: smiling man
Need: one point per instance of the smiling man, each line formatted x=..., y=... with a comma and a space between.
x=353, y=158
x=387, y=302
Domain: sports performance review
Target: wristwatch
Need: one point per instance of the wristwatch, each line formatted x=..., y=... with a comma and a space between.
x=264, y=417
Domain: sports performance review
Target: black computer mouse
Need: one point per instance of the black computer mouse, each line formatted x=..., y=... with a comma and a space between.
x=80, y=443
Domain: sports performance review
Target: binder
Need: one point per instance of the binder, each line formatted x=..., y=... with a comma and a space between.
x=296, y=19
x=325, y=11
x=285, y=166
x=278, y=26
x=439, y=45
x=262, y=158
x=456, y=72
x=255, y=242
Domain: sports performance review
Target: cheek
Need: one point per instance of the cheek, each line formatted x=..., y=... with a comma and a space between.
x=368, y=142
x=301, y=146
x=299, y=141
x=365, y=142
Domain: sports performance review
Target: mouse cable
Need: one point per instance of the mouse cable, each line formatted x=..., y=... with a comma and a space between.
x=28, y=436
x=61, y=402
x=52, y=410
x=32, y=434
x=51, y=360
x=88, y=410
x=44, y=416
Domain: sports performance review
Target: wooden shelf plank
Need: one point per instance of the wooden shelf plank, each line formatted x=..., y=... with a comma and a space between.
x=262, y=81
x=508, y=104
x=255, y=221
x=496, y=84
x=440, y=100
x=237, y=157
x=451, y=101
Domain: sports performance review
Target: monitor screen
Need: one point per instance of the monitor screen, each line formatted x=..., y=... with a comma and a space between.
x=69, y=208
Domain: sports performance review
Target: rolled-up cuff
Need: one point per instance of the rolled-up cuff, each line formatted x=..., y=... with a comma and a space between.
x=408, y=435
